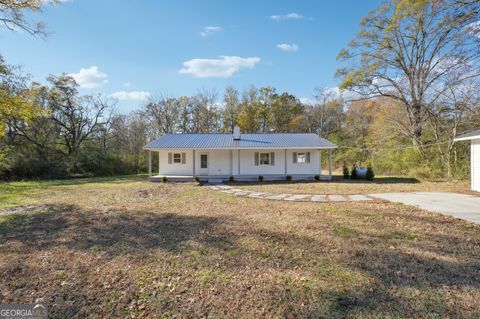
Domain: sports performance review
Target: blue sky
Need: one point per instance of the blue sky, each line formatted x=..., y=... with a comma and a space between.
x=135, y=48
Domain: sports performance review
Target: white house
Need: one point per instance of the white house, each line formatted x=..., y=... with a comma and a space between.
x=216, y=157
x=474, y=138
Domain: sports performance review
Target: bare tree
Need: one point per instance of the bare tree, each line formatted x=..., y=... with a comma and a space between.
x=12, y=15
x=325, y=115
x=77, y=117
x=205, y=113
x=405, y=50
x=164, y=111
x=231, y=108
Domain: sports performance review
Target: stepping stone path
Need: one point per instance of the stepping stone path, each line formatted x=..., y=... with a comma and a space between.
x=291, y=197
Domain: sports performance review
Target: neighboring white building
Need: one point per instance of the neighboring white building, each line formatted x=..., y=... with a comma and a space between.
x=474, y=138
x=243, y=156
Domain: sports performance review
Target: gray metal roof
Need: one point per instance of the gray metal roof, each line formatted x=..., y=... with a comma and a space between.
x=226, y=141
x=468, y=135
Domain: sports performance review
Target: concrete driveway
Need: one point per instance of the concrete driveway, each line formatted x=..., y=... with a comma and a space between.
x=457, y=205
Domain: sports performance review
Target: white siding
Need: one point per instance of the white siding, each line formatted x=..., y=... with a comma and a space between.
x=176, y=169
x=218, y=162
x=225, y=163
x=312, y=168
x=247, y=163
x=475, y=163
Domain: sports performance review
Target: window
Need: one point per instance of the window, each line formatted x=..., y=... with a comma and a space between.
x=301, y=157
x=264, y=158
x=177, y=158
x=203, y=161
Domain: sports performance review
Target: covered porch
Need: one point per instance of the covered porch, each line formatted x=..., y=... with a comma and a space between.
x=218, y=165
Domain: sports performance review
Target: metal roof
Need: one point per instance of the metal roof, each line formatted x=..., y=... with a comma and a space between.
x=468, y=136
x=226, y=141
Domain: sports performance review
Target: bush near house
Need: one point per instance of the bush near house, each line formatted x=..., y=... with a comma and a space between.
x=353, y=174
x=370, y=175
x=346, y=172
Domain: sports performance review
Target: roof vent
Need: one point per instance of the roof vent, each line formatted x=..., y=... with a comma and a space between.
x=236, y=133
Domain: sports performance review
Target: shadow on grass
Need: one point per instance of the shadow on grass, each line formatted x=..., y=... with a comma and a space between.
x=398, y=284
x=115, y=233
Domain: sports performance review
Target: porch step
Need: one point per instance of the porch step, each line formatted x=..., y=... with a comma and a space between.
x=215, y=181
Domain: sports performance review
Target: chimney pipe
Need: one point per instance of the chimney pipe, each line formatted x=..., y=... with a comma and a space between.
x=236, y=133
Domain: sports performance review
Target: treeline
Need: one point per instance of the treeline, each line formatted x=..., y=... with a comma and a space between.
x=410, y=83
x=62, y=133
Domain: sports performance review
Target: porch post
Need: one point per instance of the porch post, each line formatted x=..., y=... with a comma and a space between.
x=238, y=161
x=330, y=163
x=285, y=163
x=193, y=163
x=149, y=163
x=320, y=157
x=158, y=162
x=231, y=162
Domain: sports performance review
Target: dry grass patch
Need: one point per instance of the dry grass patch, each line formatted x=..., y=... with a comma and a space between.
x=137, y=249
x=349, y=187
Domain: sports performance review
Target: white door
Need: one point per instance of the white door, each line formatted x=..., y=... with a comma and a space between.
x=204, y=164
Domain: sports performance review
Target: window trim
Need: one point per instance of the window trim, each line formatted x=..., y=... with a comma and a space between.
x=174, y=160
x=201, y=162
x=304, y=161
x=260, y=159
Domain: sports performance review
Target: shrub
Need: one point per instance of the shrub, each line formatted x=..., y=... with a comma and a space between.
x=260, y=178
x=231, y=179
x=289, y=177
x=164, y=179
x=317, y=177
x=346, y=172
x=197, y=179
x=353, y=174
x=370, y=175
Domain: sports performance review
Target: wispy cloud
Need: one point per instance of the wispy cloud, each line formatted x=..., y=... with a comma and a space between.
x=288, y=47
x=90, y=78
x=127, y=84
x=208, y=30
x=133, y=96
x=288, y=16
x=223, y=67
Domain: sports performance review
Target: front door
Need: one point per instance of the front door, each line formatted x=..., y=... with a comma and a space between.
x=204, y=164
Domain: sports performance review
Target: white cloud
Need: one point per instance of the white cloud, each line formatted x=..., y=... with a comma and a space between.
x=223, y=67
x=288, y=47
x=134, y=95
x=288, y=16
x=208, y=30
x=90, y=78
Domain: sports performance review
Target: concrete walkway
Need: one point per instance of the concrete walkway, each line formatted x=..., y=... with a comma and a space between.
x=457, y=205
x=462, y=206
x=291, y=197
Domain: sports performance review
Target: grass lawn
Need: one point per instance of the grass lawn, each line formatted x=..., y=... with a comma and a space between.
x=114, y=248
x=339, y=185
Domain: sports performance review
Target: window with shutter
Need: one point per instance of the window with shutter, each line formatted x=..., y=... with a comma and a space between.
x=177, y=158
x=264, y=158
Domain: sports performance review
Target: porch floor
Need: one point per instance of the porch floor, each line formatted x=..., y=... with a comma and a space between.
x=242, y=178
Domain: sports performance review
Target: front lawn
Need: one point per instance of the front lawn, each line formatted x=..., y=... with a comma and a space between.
x=129, y=248
x=342, y=186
